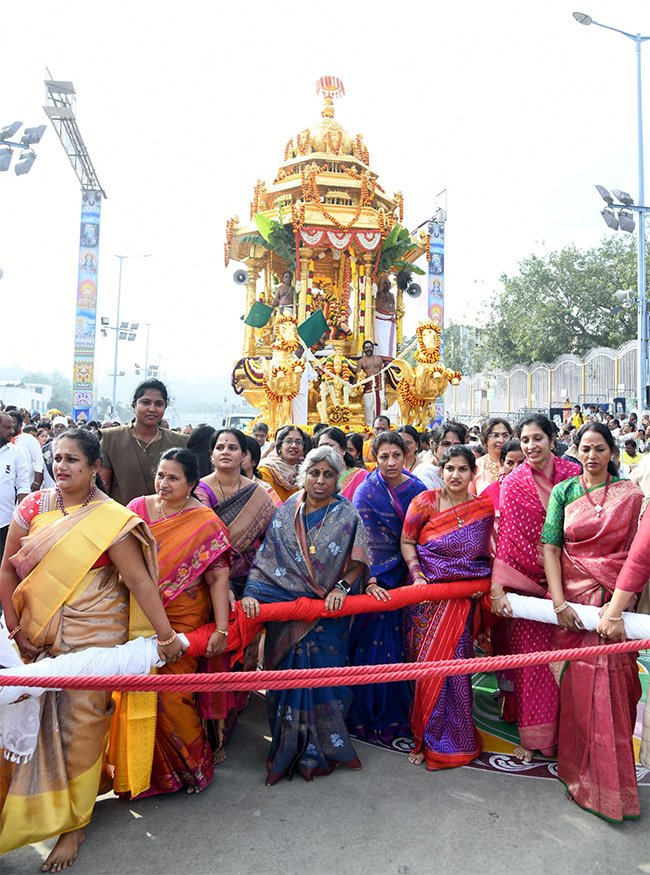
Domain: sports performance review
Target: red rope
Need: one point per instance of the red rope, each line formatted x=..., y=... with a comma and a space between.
x=319, y=677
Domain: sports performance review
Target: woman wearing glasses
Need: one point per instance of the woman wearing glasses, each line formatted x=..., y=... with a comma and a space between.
x=280, y=468
x=496, y=432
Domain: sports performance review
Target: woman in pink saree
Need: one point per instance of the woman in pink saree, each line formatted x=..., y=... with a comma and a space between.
x=590, y=525
x=519, y=567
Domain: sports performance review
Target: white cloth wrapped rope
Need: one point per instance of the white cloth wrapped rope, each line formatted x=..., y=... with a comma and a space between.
x=529, y=608
x=20, y=721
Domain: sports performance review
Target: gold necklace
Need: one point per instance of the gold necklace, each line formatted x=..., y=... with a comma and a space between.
x=223, y=495
x=460, y=522
x=139, y=442
x=161, y=511
x=312, y=544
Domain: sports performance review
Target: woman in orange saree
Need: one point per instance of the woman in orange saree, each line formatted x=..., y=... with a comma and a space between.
x=590, y=525
x=193, y=562
x=445, y=537
x=72, y=556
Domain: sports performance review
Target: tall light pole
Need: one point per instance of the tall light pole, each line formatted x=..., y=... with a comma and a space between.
x=642, y=352
x=117, y=321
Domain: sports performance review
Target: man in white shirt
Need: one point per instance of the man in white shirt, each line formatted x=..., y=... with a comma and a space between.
x=261, y=435
x=14, y=476
x=31, y=448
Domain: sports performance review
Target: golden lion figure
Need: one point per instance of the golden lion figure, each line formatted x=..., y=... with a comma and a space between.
x=419, y=387
x=282, y=372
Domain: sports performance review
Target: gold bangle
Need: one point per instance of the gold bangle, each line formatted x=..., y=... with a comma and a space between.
x=14, y=632
x=221, y=632
x=612, y=619
x=168, y=641
x=495, y=597
x=561, y=608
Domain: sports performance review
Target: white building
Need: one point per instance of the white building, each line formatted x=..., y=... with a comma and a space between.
x=31, y=396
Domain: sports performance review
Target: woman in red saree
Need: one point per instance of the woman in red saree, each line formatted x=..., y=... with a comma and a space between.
x=590, y=524
x=446, y=537
x=193, y=562
x=519, y=567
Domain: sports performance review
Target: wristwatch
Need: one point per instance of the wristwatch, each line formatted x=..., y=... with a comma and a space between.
x=344, y=585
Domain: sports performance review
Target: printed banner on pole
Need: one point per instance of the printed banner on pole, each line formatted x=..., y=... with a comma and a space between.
x=436, y=293
x=83, y=388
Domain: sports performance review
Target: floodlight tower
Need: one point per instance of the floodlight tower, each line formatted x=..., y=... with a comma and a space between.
x=60, y=104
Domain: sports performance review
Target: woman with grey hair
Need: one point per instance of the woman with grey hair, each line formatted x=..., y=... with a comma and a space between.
x=316, y=548
x=323, y=453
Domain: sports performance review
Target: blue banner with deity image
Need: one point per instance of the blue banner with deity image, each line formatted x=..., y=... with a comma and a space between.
x=436, y=292
x=83, y=388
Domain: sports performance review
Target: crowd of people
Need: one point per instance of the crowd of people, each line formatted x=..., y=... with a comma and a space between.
x=119, y=531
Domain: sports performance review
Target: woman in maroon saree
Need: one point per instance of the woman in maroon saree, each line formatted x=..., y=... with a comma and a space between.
x=519, y=567
x=590, y=525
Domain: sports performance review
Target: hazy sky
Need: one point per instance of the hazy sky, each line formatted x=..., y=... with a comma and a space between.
x=510, y=105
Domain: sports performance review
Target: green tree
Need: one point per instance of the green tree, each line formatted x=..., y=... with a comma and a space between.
x=562, y=303
x=464, y=348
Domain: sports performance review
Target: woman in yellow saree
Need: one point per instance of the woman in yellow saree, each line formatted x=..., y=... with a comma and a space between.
x=72, y=556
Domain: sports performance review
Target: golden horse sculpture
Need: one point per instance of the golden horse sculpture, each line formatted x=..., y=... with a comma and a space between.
x=419, y=386
x=282, y=372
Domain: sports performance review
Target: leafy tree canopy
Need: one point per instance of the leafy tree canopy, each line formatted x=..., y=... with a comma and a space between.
x=562, y=303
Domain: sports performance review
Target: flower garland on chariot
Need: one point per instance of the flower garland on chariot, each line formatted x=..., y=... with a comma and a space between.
x=422, y=355
x=280, y=343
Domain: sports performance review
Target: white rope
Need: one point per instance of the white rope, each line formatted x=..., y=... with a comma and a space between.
x=529, y=608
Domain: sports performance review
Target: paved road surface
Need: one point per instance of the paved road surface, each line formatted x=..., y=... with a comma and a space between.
x=391, y=818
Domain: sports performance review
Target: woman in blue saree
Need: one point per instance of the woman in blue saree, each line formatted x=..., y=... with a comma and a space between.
x=315, y=547
x=379, y=712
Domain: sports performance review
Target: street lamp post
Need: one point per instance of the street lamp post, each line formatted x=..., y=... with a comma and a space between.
x=642, y=352
x=117, y=322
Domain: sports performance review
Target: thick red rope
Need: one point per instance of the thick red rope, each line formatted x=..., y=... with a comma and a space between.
x=320, y=677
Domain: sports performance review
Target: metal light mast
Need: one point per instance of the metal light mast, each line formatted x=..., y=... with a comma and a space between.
x=60, y=103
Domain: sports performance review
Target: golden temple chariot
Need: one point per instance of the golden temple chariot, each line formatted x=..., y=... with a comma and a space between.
x=324, y=236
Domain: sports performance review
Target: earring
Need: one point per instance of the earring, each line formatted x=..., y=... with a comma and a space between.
x=188, y=495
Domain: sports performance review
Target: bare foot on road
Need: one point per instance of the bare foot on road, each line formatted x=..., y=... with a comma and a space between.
x=416, y=757
x=65, y=851
x=523, y=754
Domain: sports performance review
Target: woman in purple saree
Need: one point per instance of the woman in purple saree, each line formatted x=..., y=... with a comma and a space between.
x=379, y=712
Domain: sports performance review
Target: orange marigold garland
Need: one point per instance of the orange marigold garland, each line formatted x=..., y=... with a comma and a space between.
x=256, y=200
x=409, y=395
x=329, y=141
x=288, y=148
x=302, y=142
x=279, y=343
x=428, y=358
x=230, y=229
x=362, y=150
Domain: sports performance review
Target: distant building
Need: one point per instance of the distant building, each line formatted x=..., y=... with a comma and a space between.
x=31, y=396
